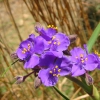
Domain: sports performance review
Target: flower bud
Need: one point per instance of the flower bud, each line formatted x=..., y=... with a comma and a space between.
x=89, y=79
x=37, y=82
x=38, y=27
x=72, y=38
x=14, y=55
x=66, y=52
x=19, y=79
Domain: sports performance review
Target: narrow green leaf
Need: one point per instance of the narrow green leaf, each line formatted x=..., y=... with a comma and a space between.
x=93, y=38
x=86, y=88
x=64, y=96
x=8, y=68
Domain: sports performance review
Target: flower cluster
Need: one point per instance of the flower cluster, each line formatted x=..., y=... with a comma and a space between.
x=48, y=56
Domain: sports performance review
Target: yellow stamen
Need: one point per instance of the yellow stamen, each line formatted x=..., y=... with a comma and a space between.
x=54, y=74
x=56, y=66
x=53, y=37
x=58, y=43
x=52, y=26
x=49, y=26
x=25, y=49
x=81, y=55
x=54, y=69
x=49, y=42
x=23, y=52
x=97, y=53
x=58, y=75
x=56, y=28
x=55, y=43
x=82, y=61
x=86, y=59
x=50, y=72
x=59, y=70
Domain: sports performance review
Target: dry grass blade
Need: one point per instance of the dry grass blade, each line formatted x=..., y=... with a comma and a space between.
x=81, y=97
x=70, y=18
x=7, y=6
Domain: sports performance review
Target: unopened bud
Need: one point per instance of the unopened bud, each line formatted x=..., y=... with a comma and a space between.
x=89, y=79
x=38, y=27
x=72, y=37
x=66, y=52
x=37, y=82
x=19, y=79
x=14, y=55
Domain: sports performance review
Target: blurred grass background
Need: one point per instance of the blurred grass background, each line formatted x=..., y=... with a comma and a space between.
x=17, y=21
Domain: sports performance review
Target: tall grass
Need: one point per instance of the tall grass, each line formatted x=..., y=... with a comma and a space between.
x=17, y=21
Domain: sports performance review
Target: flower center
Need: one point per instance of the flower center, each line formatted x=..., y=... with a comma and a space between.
x=54, y=41
x=55, y=71
x=26, y=49
x=82, y=58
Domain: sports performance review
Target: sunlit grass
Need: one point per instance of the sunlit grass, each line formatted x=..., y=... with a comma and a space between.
x=17, y=20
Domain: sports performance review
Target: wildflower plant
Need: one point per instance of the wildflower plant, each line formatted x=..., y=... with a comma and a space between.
x=49, y=58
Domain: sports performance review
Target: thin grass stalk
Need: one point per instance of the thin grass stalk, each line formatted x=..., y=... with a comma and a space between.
x=49, y=13
x=85, y=17
x=80, y=29
x=6, y=61
x=8, y=9
x=74, y=94
x=9, y=89
x=4, y=45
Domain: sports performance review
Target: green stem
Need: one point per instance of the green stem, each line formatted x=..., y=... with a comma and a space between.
x=64, y=96
x=86, y=88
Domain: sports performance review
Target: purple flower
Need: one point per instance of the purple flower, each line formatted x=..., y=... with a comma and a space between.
x=82, y=62
x=52, y=68
x=58, y=42
x=30, y=49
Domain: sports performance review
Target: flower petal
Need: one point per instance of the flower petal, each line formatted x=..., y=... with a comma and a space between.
x=46, y=60
x=51, y=32
x=39, y=45
x=63, y=40
x=32, y=62
x=23, y=45
x=55, y=53
x=76, y=52
x=77, y=71
x=46, y=78
x=31, y=37
x=91, y=62
x=64, y=65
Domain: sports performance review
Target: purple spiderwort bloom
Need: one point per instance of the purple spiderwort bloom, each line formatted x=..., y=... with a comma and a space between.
x=82, y=62
x=58, y=42
x=52, y=68
x=30, y=49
